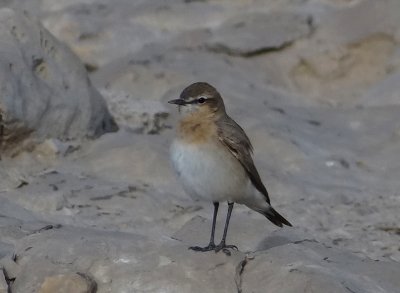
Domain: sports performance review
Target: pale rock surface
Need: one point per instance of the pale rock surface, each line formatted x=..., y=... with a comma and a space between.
x=144, y=115
x=122, y=262
x=66, y=283
x=44, y=89
x=3, y=284
x=308, y=266
x=261, y=33
x=384, y=93
x=321, y=112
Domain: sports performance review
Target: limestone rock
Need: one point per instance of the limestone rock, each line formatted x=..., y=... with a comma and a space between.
x=5, y=249
x=124, y=262
x=44, y=89
x=308, y=266
x=3, y=284
x=384, y=93
x=144, y=116
x=66, y=283
x=255, y=33
x=313, y=84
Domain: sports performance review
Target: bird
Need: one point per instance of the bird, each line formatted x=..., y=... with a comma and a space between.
x=212, y=157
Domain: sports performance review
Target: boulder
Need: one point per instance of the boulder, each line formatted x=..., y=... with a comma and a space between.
x=44, y=88
x=86, y=260
x=64, y=283
x=255, y=33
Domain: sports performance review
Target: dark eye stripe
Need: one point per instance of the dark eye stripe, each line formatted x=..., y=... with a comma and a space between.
x=196, y=101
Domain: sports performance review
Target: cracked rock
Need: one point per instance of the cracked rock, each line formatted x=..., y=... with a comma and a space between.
x=309, y=266
x=64, y=283
x=145, y=116
x=258, y=33
x=44, y=88
x=3, y=284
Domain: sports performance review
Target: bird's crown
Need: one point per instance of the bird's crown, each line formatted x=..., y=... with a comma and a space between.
x=200, y=95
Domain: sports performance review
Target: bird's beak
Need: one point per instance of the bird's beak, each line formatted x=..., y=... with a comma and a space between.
x=179, y=102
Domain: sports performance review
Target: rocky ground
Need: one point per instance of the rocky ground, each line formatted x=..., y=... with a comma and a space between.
x=87, y=208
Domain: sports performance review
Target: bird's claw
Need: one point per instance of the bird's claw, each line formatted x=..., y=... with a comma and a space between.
x=225, y=248
x=217, y=248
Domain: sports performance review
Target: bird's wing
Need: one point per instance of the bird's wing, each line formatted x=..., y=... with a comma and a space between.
x=235, y=139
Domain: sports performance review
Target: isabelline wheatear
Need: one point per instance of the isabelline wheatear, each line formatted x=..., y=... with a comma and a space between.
x=212, y=156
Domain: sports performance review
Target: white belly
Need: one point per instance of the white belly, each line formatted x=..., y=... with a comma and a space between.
x=209, y=172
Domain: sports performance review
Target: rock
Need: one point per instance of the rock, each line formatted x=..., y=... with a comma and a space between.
x=5, y=248
x=89, y=29
x=356, y=65
x=303, y=83
x=349, y=51
x=68, y=250
x=45, y=91
x=246, y=232
x=50, y=149
x=119, y=156
x=384, y=93
x=166, y=265
x=256, y=33
x=3, y=284
x=143, y=116
x=65, y=283
x=308, y=266
x=10, y=268
x=51, y=201
x=100, y=32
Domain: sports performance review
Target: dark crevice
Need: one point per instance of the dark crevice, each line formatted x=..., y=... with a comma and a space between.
x=348, y=289
x=1, y=131
x=92, y=285
x=8, y=279
x=249, y=54
x=222, y=49
x=305, y=240
x=239, y=272
x=47, y=227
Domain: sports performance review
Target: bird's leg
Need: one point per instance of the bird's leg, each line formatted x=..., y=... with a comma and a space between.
x=222, y=246
x=211, y=245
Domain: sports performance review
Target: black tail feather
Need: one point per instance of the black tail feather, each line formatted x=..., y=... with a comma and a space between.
x=276, y=218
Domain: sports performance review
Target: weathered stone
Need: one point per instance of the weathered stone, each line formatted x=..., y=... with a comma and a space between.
x=384, y=93
x=10, y=268
x=256, y=33
x=123, y=262
x=3, y=284
x=308, y=266
x=306, y=92
x=343, y=69
x=66, y=283
x=5, y=249
x=44, y=89
x=144, y=116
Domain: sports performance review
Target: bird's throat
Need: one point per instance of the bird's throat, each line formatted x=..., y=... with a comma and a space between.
x=197, y=127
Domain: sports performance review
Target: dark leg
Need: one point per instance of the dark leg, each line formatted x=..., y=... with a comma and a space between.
x=222, y=246
x=211, y=245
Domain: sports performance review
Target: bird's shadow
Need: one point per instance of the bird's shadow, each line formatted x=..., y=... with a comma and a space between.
x=273, y=241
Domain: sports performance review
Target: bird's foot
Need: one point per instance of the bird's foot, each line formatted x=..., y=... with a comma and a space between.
x=209, y=247
x=225, y=248
x=217, y=248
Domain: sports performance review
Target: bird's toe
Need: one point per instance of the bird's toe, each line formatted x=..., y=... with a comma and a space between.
x=225, y=248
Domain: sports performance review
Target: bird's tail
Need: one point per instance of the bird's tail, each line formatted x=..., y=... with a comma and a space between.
x=275, y=217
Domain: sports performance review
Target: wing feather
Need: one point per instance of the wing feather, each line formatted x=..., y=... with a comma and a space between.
x=235, y=139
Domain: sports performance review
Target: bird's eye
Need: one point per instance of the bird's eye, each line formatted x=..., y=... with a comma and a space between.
x=201, y=100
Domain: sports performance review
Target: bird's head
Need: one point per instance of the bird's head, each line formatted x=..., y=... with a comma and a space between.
x=199, y=97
